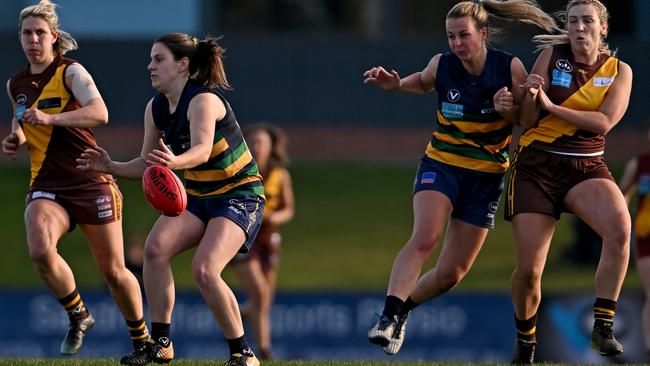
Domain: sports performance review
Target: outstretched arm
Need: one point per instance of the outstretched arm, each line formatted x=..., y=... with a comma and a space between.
x=418, y=83
x=99, y=160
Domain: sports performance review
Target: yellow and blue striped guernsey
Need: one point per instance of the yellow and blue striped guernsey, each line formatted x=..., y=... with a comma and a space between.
x=469, y=133
x=230, y=169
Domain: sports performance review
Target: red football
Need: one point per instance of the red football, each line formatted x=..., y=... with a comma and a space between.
x=164, y=190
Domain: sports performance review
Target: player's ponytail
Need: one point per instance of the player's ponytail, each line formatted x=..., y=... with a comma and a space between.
x=46, y=10
x=207, y=64
x=205, y=58
x=526, y=11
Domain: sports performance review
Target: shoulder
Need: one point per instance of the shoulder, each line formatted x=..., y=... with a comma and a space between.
x=624, y=68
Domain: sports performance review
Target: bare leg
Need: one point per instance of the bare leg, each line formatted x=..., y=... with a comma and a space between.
x=46, y=222
x=431, y=212
x=462, y=244
x=533, y=233
x=220, y=243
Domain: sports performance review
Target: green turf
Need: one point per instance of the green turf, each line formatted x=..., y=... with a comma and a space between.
x=351, y=220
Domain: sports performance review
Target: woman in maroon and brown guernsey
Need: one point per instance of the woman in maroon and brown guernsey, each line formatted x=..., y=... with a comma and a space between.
x=576, y=93
x=257, y=270
x=56, y=103
x=636, y=178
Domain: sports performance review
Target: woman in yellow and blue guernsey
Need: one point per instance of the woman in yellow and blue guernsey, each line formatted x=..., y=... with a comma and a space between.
x=56, y=105
x=460, y=178
x=577, y=92
x=190, y=126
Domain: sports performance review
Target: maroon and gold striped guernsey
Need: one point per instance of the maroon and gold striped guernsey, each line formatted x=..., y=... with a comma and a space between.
x=52, y=149
x=579, y=87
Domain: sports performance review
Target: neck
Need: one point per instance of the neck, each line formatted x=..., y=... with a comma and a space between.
x=586, y=57
x=476, y=64
x=173, y=94
x=39, y=67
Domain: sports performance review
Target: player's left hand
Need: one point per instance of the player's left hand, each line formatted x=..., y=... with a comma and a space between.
x=503, y=100
x=164, y=156
x=35, y=117
x=544, y=101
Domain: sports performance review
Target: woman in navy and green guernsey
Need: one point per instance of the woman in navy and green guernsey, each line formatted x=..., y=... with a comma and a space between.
x=460, y=178
x=189, y=126
x=56, y=104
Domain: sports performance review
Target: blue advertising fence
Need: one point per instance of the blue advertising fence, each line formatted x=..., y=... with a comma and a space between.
x=456, y=327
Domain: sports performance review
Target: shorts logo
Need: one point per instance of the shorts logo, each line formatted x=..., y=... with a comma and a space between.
x=237, y=203
x=41, y=194
x=564, y=65
x=105, y=214
x=493, y=206
x=236, y=210
x=428, y=178
x=103, y=199
x=453, y=95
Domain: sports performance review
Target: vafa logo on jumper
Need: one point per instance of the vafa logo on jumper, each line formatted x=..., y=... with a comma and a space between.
x=453, y=95
x=564, y=65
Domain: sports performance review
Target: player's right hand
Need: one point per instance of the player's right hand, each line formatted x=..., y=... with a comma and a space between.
x=10, y=145
x=96, y=159
x=382, y=78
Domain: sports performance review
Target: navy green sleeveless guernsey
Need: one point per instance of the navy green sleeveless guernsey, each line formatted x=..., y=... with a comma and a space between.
x=230, y=170
x=469, y=133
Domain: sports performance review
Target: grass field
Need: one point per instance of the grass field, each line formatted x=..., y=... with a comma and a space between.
x=351, y=219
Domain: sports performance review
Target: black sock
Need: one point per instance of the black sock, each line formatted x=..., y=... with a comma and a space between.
x=239, y=345
x=392, y=306
x=604, y=311
x=409, y=305
x=74, y=306
x=139, y=333
x=527, y=329
x=160, y=333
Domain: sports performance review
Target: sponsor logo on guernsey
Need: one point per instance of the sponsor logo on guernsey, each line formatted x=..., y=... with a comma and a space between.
x=564, y=65
x=21, y=100
x=603, y=81
x=428, y=178
x=453, y=95
x=451, y=110
x=41, y=194
x=561, y=78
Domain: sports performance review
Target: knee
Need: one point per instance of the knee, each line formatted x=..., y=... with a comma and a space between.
x=204, y=274
x=527, y=276
x=423, y=245
x=617, y=235
x=449, y=279
x=154, y=253
x=40, y=253
x=113, y=275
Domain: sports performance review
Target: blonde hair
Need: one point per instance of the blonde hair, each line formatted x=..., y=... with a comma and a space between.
x=45, y=10
x=526, y=11
x=547, y=40
x=205, y=56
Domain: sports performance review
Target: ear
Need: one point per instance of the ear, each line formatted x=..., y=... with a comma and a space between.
x=183, y=64
x=55, y=36
x=484, y=33
x=603, y=32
